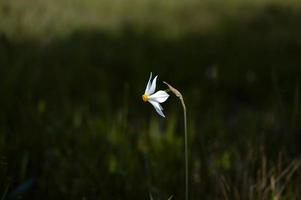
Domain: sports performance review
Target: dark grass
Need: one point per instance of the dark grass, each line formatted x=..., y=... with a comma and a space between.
x=73, y=125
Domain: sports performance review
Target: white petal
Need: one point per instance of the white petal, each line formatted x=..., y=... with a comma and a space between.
x=148, y=86
x=153, y=86
x=158, y=107
x=159, y=96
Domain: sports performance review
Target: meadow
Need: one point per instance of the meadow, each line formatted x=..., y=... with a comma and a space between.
x=73, y=124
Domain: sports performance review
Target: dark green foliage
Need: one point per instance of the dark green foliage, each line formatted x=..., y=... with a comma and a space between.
x=73, y=125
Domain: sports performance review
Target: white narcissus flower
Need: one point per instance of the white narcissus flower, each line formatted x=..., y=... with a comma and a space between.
x=154, y=98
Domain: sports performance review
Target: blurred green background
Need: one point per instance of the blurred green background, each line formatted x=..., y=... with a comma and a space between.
x=73, y=124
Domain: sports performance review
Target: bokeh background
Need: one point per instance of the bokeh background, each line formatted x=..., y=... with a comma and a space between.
x=73, y=125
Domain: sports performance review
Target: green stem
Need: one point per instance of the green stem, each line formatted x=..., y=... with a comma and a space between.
x=186, y=147
x=179, y=95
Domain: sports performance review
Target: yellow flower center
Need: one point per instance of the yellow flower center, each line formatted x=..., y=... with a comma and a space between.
x=145, y=97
